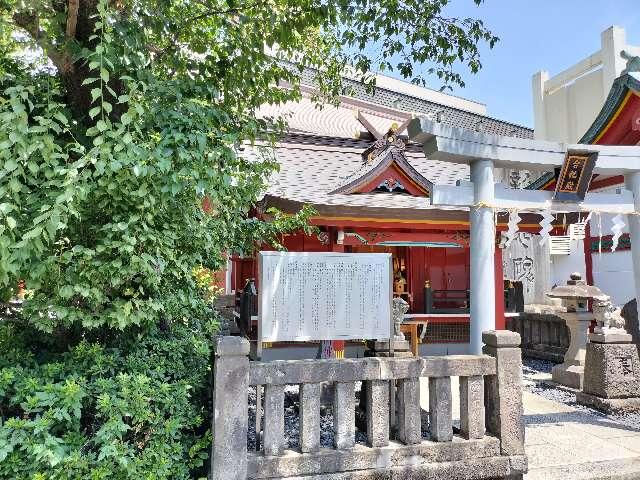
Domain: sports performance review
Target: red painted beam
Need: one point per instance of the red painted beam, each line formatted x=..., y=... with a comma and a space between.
x=359, y=237
x=389, y=223
x=606, y=182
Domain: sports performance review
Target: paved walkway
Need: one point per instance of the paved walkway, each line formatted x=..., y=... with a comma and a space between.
x=565, y=443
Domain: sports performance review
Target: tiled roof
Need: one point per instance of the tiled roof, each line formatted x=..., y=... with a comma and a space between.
x=341, y=121
x=310, y=172
x=413, y=105
x=321, y=151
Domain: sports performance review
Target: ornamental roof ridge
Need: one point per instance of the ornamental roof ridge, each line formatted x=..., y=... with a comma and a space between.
x=383, y=153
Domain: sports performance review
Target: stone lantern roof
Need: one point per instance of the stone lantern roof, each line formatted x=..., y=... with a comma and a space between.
x=577, y=289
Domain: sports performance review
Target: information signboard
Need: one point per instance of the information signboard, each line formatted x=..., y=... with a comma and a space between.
x=324, y=296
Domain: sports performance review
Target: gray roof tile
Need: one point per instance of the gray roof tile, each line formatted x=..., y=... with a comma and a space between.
x=309, y=173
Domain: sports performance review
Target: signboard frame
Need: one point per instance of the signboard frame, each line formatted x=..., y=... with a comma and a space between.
x=575, y=175
x=263, y=254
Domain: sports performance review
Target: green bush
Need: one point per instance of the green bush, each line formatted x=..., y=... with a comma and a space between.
x=108, y=410
x=119, y=121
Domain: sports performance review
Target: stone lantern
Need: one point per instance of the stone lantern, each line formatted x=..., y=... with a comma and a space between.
x=575, y=296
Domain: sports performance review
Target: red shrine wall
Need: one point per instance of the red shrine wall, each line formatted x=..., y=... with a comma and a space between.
x=244, y=268
x=445, y=268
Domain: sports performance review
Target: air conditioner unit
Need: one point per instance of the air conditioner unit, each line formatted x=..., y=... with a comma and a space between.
x=560, y=245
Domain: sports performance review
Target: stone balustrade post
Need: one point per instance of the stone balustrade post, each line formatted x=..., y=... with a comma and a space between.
x=230, y=409
x=503, y=391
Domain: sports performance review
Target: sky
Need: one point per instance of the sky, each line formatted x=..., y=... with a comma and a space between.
x=536, y=35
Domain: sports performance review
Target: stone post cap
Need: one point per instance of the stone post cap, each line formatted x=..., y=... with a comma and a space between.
x=231, y=346
x=501, y=338
x=612, y=337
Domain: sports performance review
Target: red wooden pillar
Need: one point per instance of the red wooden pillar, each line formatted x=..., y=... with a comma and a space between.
x=500, y=320
x=588, y=260
x=588, y=264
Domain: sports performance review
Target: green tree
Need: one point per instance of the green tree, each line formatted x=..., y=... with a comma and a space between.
x=118, y=119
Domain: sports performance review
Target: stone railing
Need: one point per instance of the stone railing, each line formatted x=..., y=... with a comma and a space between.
x=544, y=335
x=488, y=445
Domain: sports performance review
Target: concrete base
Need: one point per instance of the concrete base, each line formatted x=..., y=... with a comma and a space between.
x=401, y=349
x=395, y=354
x=569, y=375
x=609, y=405
x=458, y=460
x=612, y=374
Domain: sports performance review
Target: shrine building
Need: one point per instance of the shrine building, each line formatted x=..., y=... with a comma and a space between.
x=371, y=188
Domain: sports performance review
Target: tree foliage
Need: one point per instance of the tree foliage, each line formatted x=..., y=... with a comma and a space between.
x=119, y=120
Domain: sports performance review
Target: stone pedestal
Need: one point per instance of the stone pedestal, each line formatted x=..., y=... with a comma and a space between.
x=612, y=373
x=401, y=348
x=571, y=372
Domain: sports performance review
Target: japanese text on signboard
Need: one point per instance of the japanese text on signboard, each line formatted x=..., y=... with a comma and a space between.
x=575, y=176
x=324, y=296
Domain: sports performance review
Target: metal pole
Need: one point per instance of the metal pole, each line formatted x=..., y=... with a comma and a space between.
x=632, y=182
x=482, y=245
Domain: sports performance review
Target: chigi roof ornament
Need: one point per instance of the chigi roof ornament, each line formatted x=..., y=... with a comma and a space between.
x=389, y=140
x=385, y=166
x=633, y=62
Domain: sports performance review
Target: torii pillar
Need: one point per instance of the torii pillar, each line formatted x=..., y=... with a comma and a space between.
x=632, y=182
x=482, y=153
x=482, y=248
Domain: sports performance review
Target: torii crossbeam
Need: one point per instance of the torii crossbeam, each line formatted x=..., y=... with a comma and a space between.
x=483, y=152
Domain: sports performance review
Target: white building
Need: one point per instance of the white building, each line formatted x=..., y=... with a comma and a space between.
x=566, y=106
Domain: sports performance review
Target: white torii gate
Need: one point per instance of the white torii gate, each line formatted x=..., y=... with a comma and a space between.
x=483, y=152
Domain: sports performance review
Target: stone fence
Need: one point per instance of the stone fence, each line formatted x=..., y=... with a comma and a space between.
x=488, y=445
x=544, y=335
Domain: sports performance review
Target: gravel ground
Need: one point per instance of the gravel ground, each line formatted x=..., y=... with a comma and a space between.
x=533, y=380
x=292, y=421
